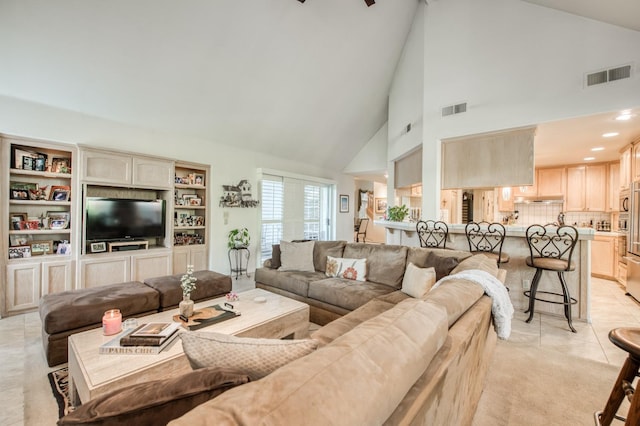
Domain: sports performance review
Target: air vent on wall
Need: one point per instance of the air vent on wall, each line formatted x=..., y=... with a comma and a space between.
x=454, y=109
x=606, y=76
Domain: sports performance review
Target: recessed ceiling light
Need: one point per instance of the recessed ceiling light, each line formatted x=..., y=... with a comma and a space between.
x=589, y=158
x=610, y=134
x=598, y=148
x=624, y=116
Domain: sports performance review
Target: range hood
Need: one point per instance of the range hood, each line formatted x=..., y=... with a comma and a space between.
x=539, y=200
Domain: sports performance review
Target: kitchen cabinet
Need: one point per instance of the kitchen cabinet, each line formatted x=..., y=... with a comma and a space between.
x=622, y=273
x=587, y=188
x=505, y=199
x=551, y=182
x=613, y=199
x=625, y=167
x=603, y=259
x=635, y=162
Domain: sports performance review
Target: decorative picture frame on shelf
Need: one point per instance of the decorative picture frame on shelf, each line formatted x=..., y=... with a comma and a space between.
x=39, y=248
x=19, y=252
x=64, y=247
x=20, y=190
x=16, y=240
x=344, y=203
x=18, y=221
x=59, y=193
x=380, y=205
x=98, y=247
x=61, y=165
x=198, y=179
x=195, y=201
x=58, y=220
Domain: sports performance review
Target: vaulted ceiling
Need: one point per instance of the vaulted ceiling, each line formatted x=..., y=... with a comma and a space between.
x=305, y=81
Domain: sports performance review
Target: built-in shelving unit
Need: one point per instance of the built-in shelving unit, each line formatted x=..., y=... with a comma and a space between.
x=39, y=189
x=190, y=208
x=45, y=187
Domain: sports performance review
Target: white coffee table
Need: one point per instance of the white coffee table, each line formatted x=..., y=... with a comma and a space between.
x=92, y=374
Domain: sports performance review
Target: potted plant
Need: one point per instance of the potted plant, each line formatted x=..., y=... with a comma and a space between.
x=397, y=213
x=238, y=238
x=188, y=284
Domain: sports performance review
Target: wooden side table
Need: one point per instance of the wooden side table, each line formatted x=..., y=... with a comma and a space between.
x=238, y=260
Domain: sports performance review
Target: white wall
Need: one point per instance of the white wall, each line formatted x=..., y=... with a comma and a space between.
x=228, y=164
x=406, y=100
x=515, y=64
x=372, y=158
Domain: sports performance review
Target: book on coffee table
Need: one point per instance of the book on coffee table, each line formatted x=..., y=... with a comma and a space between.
x=152, y=334
x=204, y=317
x=113, y=346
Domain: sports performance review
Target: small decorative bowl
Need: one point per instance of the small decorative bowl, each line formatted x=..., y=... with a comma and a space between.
x=232, y=296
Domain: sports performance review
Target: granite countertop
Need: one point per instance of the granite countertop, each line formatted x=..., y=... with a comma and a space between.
x=512, y=230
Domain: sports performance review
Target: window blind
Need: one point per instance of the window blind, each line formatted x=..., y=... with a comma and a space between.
x=294, y=209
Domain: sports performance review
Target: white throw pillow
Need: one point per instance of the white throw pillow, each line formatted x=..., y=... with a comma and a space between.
x=342, y=267
x=296, y=256
x=418, y=281
x=252, y=356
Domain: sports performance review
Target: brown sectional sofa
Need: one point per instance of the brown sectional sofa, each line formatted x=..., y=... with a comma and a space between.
x=69, y=312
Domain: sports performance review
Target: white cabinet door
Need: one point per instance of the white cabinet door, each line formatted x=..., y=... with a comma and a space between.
x=102, y=270
x=106, y=167
x=149, y=265
x=23, y=286
x=151, y=172
x=57, y=276
x=190, y=255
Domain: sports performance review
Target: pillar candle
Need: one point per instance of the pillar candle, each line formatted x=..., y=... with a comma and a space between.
x=111, y=322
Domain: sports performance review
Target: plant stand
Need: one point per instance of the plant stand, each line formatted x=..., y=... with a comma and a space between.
x=238, y=260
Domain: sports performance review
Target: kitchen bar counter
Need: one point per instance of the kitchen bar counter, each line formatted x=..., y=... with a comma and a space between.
x=519, y=275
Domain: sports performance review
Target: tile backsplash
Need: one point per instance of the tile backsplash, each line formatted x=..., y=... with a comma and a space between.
x=528, y=214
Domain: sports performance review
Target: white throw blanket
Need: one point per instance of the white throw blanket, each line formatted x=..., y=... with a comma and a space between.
x=501, y=306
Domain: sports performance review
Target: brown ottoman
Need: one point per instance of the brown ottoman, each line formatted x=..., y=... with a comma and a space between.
x=69, y=312
x=209, y=285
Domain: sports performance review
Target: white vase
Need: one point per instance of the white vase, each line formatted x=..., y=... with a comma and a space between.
x=186, y=306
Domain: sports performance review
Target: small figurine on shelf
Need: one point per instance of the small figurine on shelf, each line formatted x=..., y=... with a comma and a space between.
x=188, y=284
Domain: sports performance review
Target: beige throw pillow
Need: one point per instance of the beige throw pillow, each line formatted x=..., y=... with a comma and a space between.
x=296, y=256
x=350, y=269
x=254, y=357
x=418, y=281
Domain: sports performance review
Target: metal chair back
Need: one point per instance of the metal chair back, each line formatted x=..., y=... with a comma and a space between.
x=432, y=234
x=552, y=241
x=485, y=237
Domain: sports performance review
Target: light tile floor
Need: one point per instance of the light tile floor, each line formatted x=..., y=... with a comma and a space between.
x=28, y=399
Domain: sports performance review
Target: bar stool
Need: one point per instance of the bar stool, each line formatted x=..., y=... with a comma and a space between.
x=627, y=339
x=550, y=249
x=487, y=238
x=432, y=234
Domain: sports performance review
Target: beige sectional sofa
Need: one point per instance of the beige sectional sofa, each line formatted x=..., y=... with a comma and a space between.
x=331, y=298
x=392, y=360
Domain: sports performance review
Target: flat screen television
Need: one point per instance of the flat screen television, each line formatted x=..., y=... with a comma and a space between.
x=119, y=219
